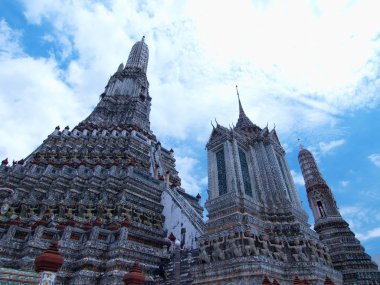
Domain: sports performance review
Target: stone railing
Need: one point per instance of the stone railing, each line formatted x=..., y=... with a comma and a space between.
x=190, y=212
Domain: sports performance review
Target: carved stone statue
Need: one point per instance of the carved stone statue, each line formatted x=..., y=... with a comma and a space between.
x=233, y=250
x=263, y=240
x=250, y=248
x=313, y=248
x=203, y=256
x=279, y=253
x=297, y=250
x=217, y=253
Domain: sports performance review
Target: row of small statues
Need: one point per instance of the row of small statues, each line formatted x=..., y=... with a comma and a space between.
x=246, y=243
x=131, y=213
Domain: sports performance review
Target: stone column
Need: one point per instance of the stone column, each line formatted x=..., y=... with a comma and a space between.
x=177, y=262
x=48, y=264
x=135, y=276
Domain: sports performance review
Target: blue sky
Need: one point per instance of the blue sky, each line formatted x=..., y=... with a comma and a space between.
x=310, y=67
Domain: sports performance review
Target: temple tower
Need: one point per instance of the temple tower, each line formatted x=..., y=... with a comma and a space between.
x=126, y=98
x=347, y=255
x=256, y=227
x=106, y=189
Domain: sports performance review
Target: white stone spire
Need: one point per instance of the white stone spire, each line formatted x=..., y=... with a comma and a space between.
x=139, y=56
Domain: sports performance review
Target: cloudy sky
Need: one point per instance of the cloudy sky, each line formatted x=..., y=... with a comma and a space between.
x=309, y=67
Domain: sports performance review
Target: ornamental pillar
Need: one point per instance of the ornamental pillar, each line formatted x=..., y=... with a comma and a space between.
x=135, y=276
x=48, y=264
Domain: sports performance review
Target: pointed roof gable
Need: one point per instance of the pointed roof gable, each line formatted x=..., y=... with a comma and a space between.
x=243, y=121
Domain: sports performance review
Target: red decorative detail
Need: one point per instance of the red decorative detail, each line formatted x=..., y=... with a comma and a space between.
x=114, y=226
x=275, y=282
x=21, y=162
x=98, y=222
x=61, y=226
x=70, y=222
x=40, y=223
x=328, y=281
x=297, y=281
x=172, y=237
x=306, y=282
x=5, y=161
x=266, y=281
x=198, y=197
x=126, y=223
x=16, y=221
x=135, y=276
x=50, y=260
x=87, y=226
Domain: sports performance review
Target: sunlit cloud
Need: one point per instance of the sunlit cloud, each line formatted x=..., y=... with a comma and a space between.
x=297, y=178
x=375, y=158
x=330, y=146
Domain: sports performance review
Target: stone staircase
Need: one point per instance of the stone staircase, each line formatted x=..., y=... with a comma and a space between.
x=179, y=275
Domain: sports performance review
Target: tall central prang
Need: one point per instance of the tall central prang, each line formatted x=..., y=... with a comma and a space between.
x=106, y=189
x=126, y=99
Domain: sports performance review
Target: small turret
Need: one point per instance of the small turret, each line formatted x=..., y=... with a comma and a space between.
x=139, y=56
x=321, y=199
x=120, y=68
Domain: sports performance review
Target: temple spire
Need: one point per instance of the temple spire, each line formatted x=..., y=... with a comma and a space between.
x=243, y=120
x=241, y=111
x=139, y=56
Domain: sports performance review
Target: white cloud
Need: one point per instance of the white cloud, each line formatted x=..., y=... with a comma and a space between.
x=344, y=183
x=9, y=40
x=286, y=58
x=330, y=146
x=198, y=53
x=374, y=233
x=375, y=158
x=186, y=167
x=33, y=98
x=298, y=178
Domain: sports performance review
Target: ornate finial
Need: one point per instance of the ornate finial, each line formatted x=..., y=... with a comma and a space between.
x=135, y=276
x=5, y=161
x=120, y=68
x=143, y=39
x=50, y=260
x=241, y=111
x=212, y=125
x=299, y=144
x=172, y=237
